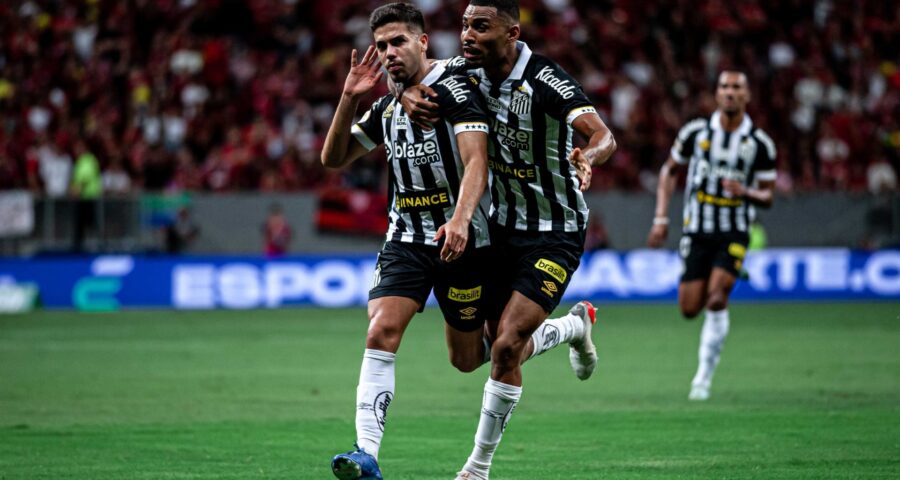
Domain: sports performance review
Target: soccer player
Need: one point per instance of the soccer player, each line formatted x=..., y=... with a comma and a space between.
x=731, y=169
x=538, y=213
x=437, y=226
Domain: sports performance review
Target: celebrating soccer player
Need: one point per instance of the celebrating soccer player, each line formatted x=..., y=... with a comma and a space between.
x=731, y=169
x=437, y=180
x=538, y=213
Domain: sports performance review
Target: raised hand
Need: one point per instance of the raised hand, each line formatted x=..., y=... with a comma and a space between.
x=363, y=76
x=582, y=168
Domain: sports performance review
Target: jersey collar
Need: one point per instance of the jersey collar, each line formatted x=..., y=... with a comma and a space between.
x=744, y=129
x=524, y=56
x=436, y=71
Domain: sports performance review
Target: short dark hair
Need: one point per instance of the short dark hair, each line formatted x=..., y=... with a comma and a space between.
x=508, y=8
x=397, y=12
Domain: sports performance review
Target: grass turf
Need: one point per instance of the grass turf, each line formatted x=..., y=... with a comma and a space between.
x=803, y=391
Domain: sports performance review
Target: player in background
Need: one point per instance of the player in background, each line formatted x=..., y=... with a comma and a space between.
x=538, y=213
x=731, y=169
x=437, y=231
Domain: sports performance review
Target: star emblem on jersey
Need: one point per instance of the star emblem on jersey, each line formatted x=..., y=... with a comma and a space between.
x=520, y=103
x=704, y=145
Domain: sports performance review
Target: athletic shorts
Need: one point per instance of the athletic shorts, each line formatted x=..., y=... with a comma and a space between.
x=412, y=271
x=538, y=265
x=702, y=252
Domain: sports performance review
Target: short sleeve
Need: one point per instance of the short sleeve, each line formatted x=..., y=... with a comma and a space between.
x=764, y=162
x=461, y=104
x=455, y=65
x=683, y=147
x=562, y=95
x=369, y=130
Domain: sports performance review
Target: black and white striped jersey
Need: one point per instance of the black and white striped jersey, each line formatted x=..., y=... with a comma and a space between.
x=533, y=185
x=425, y=169
x=713, y=154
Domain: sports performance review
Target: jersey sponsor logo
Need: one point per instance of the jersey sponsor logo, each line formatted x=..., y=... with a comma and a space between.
x=527, y=174
x=737, y=250
x=464, y=295
x=418, y=154
x=511, y=137
x=468, y=313
x=549, y=288
x=704, y=170
x=704, y=197
x=552, y=268
x=423, y=200
x=456, y=62
x=401, y=122
x=564, y=88
x=493, y=104
x=747, y=150
x=456, y=88
x=520, y=103
x=382, y=402
x=551, y=336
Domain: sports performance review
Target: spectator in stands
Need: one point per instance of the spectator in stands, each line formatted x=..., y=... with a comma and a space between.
x=87, y=186
x=181, y=233
x=144, y=79
x=277, y=234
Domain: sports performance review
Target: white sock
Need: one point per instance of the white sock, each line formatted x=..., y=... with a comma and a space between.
x=712, y=339
x=497, y=406
x=555, y=331
x=373, y=396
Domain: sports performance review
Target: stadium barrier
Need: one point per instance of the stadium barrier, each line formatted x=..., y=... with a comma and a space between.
x=124, y=281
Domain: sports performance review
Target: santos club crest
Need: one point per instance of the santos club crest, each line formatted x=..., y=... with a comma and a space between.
x=520, y=103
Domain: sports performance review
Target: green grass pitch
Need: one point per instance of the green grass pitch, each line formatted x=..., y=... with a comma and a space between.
x=806, y=391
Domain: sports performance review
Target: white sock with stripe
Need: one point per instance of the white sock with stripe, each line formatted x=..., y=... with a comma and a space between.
x=555, y=331
x=712, y=340
x=499, y=401
x=373, y=397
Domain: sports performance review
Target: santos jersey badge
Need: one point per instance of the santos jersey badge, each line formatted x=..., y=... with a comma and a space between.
x=520, y=103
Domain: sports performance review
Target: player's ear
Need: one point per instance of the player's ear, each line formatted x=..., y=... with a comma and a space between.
x=514, y=32
x=423, y=40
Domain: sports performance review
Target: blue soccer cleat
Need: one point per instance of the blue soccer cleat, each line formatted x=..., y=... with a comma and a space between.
x=356, y=465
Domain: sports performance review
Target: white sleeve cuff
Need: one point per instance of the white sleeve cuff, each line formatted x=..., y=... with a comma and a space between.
x=363, y=139
x=579, y=111
x=470, y=127
x=677, y=156
x=766, y=175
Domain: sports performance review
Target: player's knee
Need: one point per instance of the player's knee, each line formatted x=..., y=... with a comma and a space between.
x=383, y=336
x=690, y=310
x=507, y=350
x=465, y=363
x=717, y=301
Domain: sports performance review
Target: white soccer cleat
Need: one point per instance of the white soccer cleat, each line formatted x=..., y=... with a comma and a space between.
x=699, y=393
x=582, y=352
x=467, y=475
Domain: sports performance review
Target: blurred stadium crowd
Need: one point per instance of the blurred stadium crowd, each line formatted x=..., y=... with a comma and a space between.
x=237, y=95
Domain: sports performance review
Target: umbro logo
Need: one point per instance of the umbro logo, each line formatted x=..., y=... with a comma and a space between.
x=468, y=311
x=549, y=288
